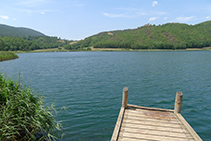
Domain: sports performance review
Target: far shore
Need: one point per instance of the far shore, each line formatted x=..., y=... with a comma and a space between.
x=125, y=49
x=110, y=49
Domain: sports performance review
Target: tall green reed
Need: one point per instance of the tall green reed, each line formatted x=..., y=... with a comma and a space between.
x=23, y=116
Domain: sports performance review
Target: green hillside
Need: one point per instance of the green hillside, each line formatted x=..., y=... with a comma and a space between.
x=166, y=36
x=25, y=39
x=6, y=30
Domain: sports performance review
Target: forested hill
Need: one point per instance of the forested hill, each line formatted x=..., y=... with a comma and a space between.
x=166, y=36
x=6, y=30
x=25, y=39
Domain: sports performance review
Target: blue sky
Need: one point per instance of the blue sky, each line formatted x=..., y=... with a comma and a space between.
x=78, y=19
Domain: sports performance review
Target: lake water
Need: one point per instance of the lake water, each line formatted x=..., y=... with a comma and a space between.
x=89, y=85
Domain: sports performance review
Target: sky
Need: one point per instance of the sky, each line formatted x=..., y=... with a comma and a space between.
x=78, y=19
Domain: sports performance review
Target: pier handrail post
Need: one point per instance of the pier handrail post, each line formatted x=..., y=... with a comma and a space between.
x=125, y=97
x=178, y=102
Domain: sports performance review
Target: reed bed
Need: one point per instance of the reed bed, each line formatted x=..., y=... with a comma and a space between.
x=4, y=55
x=23, y=116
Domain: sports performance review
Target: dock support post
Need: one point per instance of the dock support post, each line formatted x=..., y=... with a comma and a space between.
x=125, y=97
x=178, y=102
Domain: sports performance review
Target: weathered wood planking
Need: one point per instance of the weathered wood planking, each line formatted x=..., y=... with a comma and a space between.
x=137, y=123
x=163, y=125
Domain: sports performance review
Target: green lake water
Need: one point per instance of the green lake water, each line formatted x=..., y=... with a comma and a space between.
x=89, y=85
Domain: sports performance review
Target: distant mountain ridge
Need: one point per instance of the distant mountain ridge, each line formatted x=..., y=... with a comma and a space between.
x=26, y=39
x=6, y=30
x=166, y=36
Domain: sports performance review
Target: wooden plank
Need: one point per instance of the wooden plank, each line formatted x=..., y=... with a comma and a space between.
x=134, y=108
x=140, y=118
x=149, y=127
x=188, y=127
x=146, y=114
x=154, y=132
x=158, y=124
x=179, y=130
x=151, y=137
x=153, y=114
x=143, y=111
x=118, y=125
x=130, y=106
x=131, y=139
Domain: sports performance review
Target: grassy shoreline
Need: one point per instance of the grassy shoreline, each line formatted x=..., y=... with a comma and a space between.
x=125, y=49
x=110, y=49
x=4, y=55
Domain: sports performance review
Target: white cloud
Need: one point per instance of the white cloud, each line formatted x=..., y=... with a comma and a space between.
x=158, y=13
x=78, y=4
x=153, y=18
x=32, y=11
x=208, y=17
x=4, y=17
x=44, y=11
x=154, y=3
x=184, y=19
x=113, y=15
x=33, y=6
x=165, y=18
x=133, y=13
x=128, y=12
x=142, y=13
x=32, y=3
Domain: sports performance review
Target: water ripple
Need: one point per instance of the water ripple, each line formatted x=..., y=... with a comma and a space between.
x=86, y=87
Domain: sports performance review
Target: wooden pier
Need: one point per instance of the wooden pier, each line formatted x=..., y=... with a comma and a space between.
x=137, y=123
